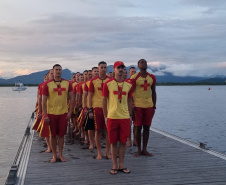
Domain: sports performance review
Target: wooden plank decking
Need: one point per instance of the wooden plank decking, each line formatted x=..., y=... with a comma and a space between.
x=173, y=163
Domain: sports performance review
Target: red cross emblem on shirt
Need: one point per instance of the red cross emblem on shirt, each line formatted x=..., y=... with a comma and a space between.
x=145, y=85
x=120, y=93
x=101, y=87
x=59, y=90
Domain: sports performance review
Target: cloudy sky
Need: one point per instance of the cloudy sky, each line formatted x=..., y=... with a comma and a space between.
x=183, y=37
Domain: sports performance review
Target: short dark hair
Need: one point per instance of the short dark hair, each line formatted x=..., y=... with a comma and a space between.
x=94, y=68
x=132, y=68
x=85, y=71
x=90, y=71
x=57, y=65
x=141, y=60
x=102, y=62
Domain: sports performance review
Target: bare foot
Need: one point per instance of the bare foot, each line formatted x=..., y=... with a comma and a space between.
x=147, y=153
x=78, y=133
x=137, y=154
x=53, y=160
x=134, y=143
x=108, y=156
x=99, y=157
x=48, y=150
x=71, y=125
x=62, y=159
x=113, y=171
x=91, y=146
x=129, y=143
x=86, y=141
x=75, y=130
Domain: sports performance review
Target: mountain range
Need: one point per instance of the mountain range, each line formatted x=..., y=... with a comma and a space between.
x=36, y=78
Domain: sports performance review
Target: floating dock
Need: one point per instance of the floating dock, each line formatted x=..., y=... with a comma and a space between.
x=175, y=161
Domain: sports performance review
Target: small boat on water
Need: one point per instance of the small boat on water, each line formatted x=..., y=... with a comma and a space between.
x=19, y=87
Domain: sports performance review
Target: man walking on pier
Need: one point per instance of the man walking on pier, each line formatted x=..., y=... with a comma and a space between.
x=144, y=97
x=55, y=109
x=117, y=107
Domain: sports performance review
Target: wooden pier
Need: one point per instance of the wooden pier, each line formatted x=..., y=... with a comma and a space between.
x=174, y=162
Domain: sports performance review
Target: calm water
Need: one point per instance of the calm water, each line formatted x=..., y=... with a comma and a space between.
x=191, y=112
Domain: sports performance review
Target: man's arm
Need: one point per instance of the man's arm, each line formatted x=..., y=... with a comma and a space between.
x=91, y=115
x=130, y=106
x=71, y=104
x=90, y=99
x=44, y=108
x=105, y=111
x=85, y=94
x=39, y=106
x=153, y=93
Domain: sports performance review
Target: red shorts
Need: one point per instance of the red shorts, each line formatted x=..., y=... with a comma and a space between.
x=143, y=116
x=58, y=124
x=118, y=130
x=99, y=118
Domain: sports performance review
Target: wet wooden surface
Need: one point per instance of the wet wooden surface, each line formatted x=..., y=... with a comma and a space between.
x=173, y=163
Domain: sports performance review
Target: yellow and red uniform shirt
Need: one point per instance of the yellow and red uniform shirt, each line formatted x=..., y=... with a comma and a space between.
x=40, y=88
x=74, y=84
x=96, y=87
x=86, y=88
x=81, y=89
x=57, y=93
x=118, y=94
x=142, y=96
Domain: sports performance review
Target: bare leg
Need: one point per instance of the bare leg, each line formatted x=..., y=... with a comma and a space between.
x=114, y=157
x=98, y=143
x=134, y=137
x=82, y=133
x=107, y=147
x=53, y=146
x=129, y=140
x=75, y=125
x=87, y=137
x=61, y=146
x=91, y=139
x=146, y=130
x=138, y=139
x=48, y=145
x=122, y=148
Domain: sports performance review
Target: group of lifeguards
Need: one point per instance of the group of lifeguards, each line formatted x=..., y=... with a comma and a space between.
x=95, y=101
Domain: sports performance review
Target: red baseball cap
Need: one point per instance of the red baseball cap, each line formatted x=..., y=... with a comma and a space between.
x=118, y=63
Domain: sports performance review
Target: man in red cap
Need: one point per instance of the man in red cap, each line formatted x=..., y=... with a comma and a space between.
x=117, y=107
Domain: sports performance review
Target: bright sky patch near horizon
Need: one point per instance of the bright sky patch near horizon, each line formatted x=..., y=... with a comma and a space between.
x=182, y=37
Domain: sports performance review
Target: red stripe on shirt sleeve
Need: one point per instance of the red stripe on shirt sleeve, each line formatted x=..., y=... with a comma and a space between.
x=105, y=90
x=86, y=87
x=45, y=91
x=130, y=94
x=91, y=86
x=70, y=87
x=80, y=91
x=74, y=90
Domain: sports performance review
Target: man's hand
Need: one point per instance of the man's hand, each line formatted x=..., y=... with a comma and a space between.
x=106, y=121
x=91, y=115
x=69, y=116
x=39, y=115
x=46, y=119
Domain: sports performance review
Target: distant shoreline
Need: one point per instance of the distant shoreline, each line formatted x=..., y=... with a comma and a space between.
x=158, y=84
